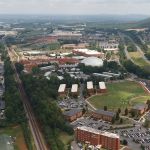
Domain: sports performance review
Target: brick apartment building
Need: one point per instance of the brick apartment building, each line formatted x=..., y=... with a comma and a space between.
x=73, y=114
x=139, y=108
x=109, y=141
x=104, y=115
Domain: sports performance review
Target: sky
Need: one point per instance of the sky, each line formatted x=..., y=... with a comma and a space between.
x=78, y=7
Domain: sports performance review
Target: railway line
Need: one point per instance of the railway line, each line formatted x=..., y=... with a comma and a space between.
x=36, y=133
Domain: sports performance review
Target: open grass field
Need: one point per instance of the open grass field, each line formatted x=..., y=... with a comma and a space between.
x=65, y=138
x=15, y=132
x=120, y=95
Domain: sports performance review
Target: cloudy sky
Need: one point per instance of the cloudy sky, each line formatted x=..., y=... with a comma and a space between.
x=75, y=7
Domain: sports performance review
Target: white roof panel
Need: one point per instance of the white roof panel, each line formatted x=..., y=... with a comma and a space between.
x=102, y=85
x=74, y=88
x=62, y=88
x=89, y=85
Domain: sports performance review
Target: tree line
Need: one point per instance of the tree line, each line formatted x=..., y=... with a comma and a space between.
x=42, y=94
x=14, y=110
x=135, y=69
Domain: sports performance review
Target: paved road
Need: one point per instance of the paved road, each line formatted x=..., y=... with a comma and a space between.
x=37, y=136
x=138, y=49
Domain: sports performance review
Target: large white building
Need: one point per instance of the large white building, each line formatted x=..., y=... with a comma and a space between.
x=92, y=61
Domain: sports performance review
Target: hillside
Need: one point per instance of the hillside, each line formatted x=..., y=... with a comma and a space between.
x=144, y=23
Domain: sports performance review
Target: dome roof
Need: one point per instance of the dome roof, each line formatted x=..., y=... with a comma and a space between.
x=92, y=61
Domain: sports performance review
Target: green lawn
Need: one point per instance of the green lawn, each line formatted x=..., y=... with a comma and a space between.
x=65, y=138
x=120, y=95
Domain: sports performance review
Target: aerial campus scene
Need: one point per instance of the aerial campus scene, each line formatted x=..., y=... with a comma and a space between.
x=75, y=75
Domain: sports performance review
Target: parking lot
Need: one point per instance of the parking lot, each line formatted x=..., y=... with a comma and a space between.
x=89, y=122
x=136, y=137
x=71, y=104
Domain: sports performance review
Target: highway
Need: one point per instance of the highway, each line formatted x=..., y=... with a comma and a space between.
x=138, y=48
x=36, y=133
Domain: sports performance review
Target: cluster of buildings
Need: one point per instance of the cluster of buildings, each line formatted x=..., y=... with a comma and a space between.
x=62, y=91
x=67, y=35
x=110, y=45
x=30, y=63
x=91, y=89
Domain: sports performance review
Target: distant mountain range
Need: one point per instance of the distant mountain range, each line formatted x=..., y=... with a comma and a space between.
x=130, y=21
x=77, y=18
x=144, y=23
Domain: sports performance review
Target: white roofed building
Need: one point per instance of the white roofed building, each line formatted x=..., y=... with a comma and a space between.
x=62, y=89
x=74, y=89
x=88, y=53
x=92, y=61
x=102, y=87
x=90, y=87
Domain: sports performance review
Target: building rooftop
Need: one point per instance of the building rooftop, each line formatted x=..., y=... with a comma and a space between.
x=89, y=85
x=140, y=106
x=102, y=75
x=108, y=113
x=102, y=85
x=112, y=74
x=74, y=88
x=72, y=112
x=92, y=61
x=62, y=88
x=91, y=130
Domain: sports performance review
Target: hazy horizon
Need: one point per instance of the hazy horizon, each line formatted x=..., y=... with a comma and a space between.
x=75, y=7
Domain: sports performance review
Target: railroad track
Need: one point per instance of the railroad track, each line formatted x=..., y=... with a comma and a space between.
x=36, y=133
